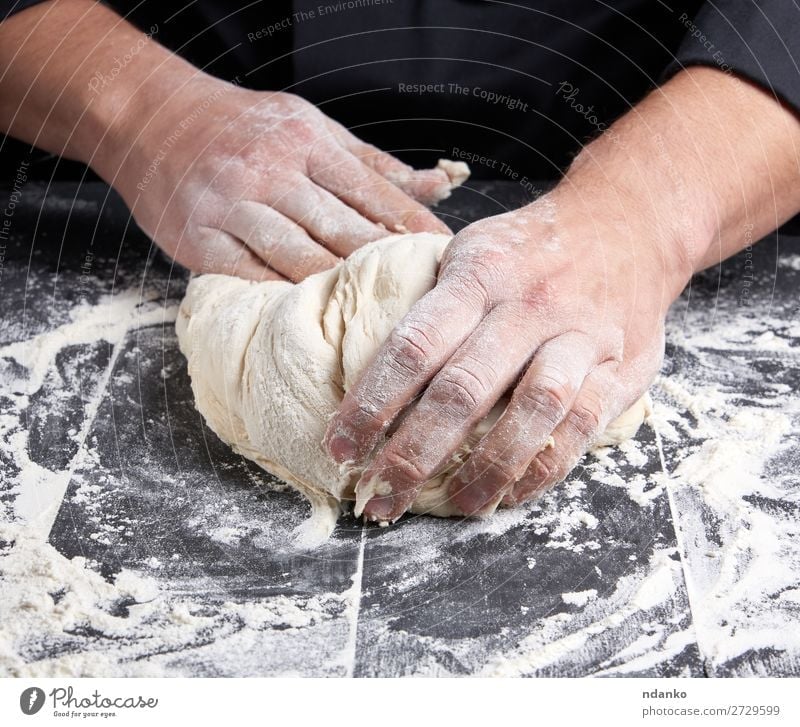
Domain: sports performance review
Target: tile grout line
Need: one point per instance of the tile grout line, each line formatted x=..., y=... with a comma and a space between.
x=91, y=411
x=355, y=608
x=40, y=509
x=44, y=519
x=673, y=508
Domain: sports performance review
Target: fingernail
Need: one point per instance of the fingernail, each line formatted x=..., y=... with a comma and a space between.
x=342, y=449
x=380, y=508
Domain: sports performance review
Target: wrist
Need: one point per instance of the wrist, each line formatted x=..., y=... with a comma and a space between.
x=644, y=186
x=131, y=114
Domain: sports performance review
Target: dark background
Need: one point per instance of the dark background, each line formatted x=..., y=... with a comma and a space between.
x=349, y=62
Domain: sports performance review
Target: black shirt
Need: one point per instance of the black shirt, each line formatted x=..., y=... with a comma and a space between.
x=517, y=87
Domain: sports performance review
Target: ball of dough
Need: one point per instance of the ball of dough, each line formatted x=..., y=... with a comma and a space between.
x=270, y=362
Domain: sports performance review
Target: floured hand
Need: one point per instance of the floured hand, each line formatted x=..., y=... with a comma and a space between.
x=559, y=302
x=264, y=185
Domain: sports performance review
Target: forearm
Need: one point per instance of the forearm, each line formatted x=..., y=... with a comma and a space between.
x=712, y=161
x=76, y=79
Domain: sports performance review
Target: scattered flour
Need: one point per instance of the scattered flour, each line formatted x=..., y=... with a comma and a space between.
x=60, y=616
x=560, y=635
x=579, y=598
x=789, y=261
x=109, y=320
x=103, y=628
x=38, y=490
x=726, y=439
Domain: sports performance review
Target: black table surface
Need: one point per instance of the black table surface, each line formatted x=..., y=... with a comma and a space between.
x=607, y=575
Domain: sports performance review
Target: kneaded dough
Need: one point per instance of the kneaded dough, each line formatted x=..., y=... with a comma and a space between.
x=270, y=362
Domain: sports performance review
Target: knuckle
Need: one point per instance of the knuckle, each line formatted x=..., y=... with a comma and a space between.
x=558, y=388
x=372, y=155
x=403, y=467
x=542, y=470
x=460, y=389
x=292, y=101
x=454, y=395
x=583, y=421
x=528, y=494
x=539, y=477
x=476, y=268
x=362, y=414
x=501, y=471
x=488, y=272
x=410, y=346
x=368, y=415
x=322, y=158
x=467, y=289
x=547, y=399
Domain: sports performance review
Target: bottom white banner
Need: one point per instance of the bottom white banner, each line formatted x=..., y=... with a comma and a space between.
x=399, y=701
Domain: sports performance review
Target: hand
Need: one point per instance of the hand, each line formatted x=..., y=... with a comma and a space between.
x=560, y=300
x=227, y=180
x=264, y=185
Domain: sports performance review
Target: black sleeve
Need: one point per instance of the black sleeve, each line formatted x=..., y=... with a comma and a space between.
x=756, y=39
x=10, y=7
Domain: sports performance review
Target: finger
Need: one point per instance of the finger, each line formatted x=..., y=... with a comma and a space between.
x=415, y=350
x=216, y=251
x=339, y=227
x=427, y=186
x=458, y=397
x=538, y=404
x=366, y=191
x=597, y=403
x=277, y=240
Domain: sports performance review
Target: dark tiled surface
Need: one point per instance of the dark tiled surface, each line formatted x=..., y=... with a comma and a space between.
x=151, y=484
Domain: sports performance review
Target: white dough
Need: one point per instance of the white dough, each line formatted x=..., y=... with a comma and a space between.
x=269, y=363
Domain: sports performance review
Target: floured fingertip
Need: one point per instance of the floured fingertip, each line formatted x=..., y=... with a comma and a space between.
x=368, y=489
x=457, y=172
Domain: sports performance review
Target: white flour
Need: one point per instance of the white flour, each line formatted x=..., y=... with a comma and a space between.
x=39, y=491
x=734, y=508
x=739, y=570
x=50, y=601
x=562, y=634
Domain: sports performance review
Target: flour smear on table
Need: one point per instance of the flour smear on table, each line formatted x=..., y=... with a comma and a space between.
x=61, y=617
